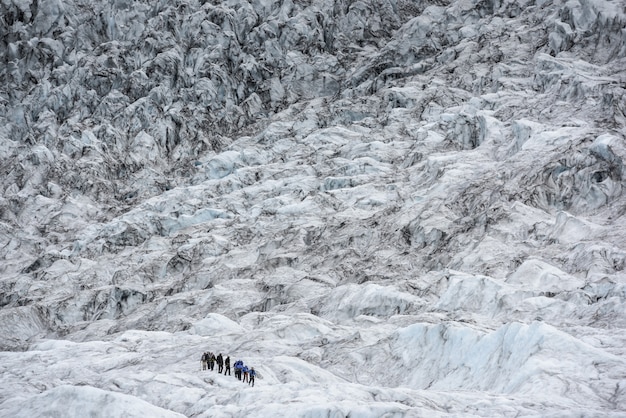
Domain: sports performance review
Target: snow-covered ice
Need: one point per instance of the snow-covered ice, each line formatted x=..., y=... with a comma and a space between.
x=389, y=208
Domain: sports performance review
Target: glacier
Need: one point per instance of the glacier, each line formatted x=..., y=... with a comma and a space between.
x=389, y=208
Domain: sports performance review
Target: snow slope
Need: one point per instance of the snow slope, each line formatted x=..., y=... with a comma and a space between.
x=387, y=207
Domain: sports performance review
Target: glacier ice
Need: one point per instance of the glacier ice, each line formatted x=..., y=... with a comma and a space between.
x=388, y=207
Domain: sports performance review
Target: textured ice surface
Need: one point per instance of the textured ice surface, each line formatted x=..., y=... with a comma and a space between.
x=388, y=208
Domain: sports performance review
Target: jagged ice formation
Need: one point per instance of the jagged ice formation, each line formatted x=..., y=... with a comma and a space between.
x=388, y=207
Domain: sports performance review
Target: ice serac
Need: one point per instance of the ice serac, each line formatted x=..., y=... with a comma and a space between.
x=516, y=358
x=388, y=207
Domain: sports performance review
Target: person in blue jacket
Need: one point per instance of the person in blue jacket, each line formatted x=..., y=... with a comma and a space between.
x=245, y=371
x=252, y=374
x=238, y=367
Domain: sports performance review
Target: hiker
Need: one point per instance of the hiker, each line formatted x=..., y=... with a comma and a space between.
x=238, y=366
x=203, y=360
x=211, y=361
x=227, y=366
x=245, y=371
x=252, y=374
x=220, y=363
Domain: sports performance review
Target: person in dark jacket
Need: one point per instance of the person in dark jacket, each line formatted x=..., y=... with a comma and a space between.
x=227, y=366
x=220, y=363
x=211, y=361
x=204, y=361
x=252, y=373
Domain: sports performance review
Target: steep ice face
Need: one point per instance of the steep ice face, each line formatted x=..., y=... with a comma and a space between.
x=389, y=208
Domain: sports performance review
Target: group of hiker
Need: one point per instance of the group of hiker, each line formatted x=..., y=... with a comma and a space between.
x=242, y=372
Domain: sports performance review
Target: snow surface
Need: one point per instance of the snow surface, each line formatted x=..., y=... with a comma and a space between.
x=389, y=208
